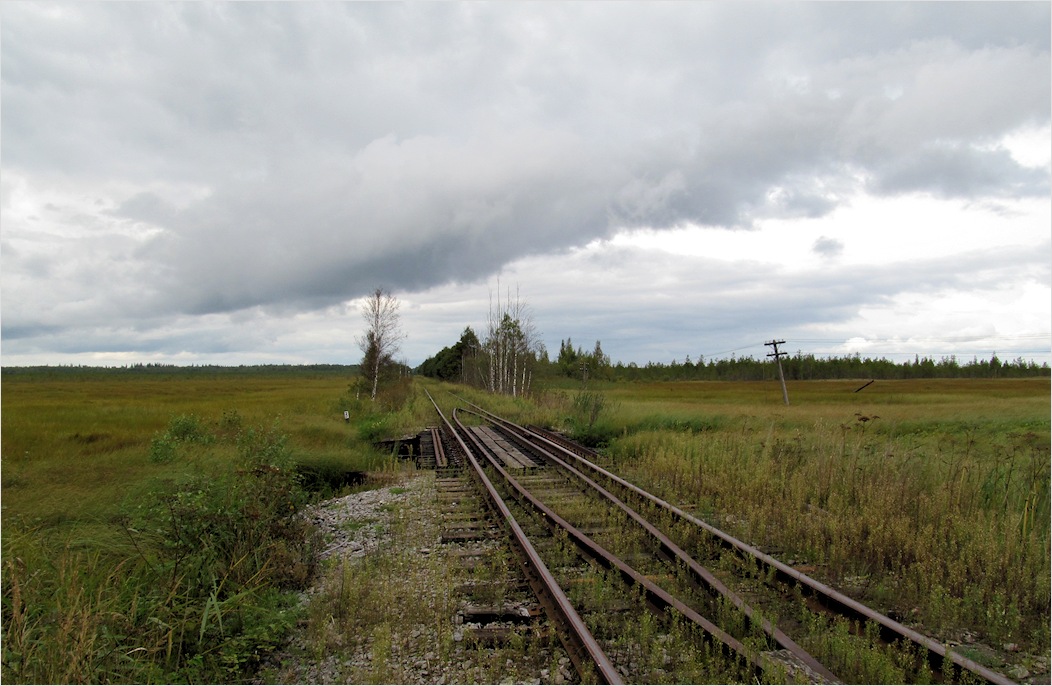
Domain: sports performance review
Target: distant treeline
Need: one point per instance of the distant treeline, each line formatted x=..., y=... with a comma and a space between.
x=576, y=362
x=158, y=369
x=458, y=364
x=806, y=367
x=467, y=363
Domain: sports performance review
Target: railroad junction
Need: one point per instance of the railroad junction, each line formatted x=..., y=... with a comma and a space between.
x=599, y=581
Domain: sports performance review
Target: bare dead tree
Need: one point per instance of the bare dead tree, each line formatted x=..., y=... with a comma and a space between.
x=382, y=338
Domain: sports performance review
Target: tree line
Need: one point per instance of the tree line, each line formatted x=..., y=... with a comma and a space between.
x=459, y=363
x=803, y=366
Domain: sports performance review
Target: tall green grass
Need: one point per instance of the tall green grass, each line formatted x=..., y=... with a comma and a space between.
x=189, y=583
x=929, y=499
x=149, y=524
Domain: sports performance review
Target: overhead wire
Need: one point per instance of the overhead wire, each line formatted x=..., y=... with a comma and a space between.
x=985, y=344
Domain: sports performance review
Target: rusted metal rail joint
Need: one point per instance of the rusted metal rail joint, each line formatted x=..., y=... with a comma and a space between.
x=583, y=649
x=938, y=654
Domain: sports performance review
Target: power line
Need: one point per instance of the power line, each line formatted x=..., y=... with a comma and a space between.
x=985, y=344
x=733, y=350
x=941, y=339
x=928, y=353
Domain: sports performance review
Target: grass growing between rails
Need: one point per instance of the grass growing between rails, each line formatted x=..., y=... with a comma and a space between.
x=149, y=518
x=928, y=499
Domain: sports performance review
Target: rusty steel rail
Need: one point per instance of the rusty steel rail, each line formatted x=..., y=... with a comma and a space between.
x=938, y=654
x=700, y=573
x=441, y=461
x=657, y=596
x=583, y=649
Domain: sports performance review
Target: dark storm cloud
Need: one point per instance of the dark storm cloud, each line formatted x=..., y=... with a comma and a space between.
x=297, y=154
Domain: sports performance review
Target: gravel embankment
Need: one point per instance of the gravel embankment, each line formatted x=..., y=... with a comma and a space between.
x=385, y=543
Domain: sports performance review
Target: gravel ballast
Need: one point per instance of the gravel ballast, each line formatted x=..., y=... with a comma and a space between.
x=388, y=605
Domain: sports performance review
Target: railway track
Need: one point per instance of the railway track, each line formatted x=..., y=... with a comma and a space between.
x=641, y=591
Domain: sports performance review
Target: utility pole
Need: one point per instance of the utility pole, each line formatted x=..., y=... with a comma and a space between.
x=778, y=358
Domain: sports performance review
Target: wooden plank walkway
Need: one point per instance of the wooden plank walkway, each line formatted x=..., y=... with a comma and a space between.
x=505, y=452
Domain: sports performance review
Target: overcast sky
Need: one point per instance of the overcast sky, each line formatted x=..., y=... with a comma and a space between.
x=220, y=183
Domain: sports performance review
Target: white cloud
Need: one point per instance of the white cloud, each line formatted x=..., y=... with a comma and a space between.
x=1030, y=146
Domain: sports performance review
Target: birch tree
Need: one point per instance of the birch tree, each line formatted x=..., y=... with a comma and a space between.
x=510, y=345
x=382, y=338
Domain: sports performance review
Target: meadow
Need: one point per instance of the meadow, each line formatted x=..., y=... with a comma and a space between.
x=75, y=445
x=149, y=529
x=926, y=498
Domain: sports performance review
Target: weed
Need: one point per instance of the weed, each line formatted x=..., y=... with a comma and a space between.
x=197, y=589
x=162, y=448
x=188, y=428
x=182, y=429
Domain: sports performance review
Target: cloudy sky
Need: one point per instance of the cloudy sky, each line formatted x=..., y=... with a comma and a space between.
x=221, y=183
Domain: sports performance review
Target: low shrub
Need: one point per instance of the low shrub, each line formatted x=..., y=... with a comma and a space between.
x=372, y=428
x=189, y=428
x=200, y=591
x=596, y=436
x=186, y=428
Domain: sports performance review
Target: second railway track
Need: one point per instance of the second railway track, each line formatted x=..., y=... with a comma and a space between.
x=640, y=591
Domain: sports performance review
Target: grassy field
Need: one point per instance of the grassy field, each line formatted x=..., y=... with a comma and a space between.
x=926, y=498
x=75, y=447
x=147, y=515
